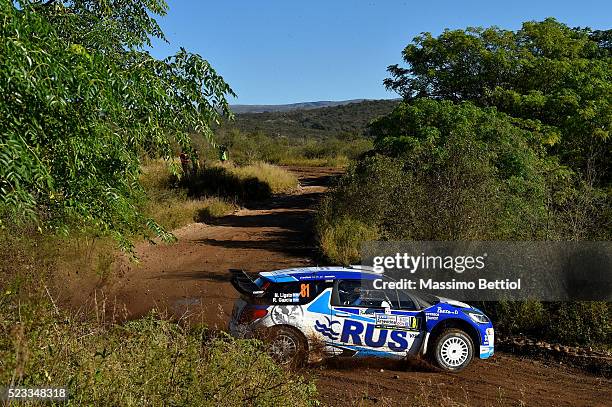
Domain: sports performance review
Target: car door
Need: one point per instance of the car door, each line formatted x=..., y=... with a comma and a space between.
x=411, y=319
x=372, y=322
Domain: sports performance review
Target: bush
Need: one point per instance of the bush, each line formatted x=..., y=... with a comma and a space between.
x=571, y=323
x=581, y=323
x=249, y=148
x=341, y=240
x=454, y=171
x=169, y=204
x=252, y=182
x=448, y=172
x=516, y=317
x=150, y=361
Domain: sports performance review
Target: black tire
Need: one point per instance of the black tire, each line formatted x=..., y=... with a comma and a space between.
x=453, y=350
x=287, y=346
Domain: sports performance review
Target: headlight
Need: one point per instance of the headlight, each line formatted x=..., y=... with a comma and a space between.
x=477, y=317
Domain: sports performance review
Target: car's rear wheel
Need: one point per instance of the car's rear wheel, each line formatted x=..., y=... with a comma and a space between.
x=453, y=350
x=287, y=346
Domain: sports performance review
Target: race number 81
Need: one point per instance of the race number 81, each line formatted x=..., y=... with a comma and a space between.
x=305, y=290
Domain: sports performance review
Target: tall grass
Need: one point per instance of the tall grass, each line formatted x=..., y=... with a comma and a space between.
x=214, y=190
x=341, y=239
x=176, y=212
x=339, y=161
x=170, y=204
x=278, y=179
x=149, y=361
x=252, y=182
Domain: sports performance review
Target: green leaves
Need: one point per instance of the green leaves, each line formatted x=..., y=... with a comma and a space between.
x=82, y=104
x=533, y=107
x=467, y=173
x=546, y=74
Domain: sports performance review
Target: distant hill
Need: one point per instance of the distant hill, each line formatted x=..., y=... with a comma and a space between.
x=345, y=118
x=293, y=106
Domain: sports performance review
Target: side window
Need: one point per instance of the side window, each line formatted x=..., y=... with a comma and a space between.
x=349, y=292
x=358, y=293
x=405, y=302
x=298, y=293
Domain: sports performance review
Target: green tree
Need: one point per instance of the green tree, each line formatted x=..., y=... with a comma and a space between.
x=502, y=135
x=447, y=171
x=557, y=80
x=83, y=102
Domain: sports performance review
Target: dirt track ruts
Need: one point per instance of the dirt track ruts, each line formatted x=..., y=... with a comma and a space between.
x=190, y=278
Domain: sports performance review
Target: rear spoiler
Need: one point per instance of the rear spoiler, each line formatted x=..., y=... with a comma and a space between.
x=244, y=284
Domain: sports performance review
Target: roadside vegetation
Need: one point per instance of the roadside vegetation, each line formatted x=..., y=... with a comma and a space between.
x=92, y=125
x=105, y=361
x=149, y=361
x=170, y=204
x=247, y=147
x=239, y=184
x=517, y=149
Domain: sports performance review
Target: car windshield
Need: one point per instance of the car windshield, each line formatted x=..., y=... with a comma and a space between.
x=424, y=300
x=427, y=299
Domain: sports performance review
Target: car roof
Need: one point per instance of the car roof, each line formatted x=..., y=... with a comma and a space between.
x=318, y=273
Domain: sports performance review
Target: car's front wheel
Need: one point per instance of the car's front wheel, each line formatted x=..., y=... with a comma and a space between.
x=453, y=350
x=287, y=346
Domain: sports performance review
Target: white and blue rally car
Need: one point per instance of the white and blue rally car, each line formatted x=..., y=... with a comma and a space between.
x=305, y=313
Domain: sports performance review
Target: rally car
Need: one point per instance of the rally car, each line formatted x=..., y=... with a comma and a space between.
x=337, y=311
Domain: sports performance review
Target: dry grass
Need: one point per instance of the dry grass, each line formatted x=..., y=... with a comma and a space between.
x=278, y=179
x=148, y=361
x=169, y=204
x=340, y=161
x=157, y=174
x=341, y=241
x=177, y=212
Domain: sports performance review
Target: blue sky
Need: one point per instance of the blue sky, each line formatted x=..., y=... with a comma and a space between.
x=274, y=52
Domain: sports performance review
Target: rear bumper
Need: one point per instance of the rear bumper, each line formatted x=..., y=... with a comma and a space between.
x=247, y=331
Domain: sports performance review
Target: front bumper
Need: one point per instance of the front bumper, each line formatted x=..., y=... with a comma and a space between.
x=487, y=347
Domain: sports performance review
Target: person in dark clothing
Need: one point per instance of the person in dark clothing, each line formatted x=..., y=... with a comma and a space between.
x=185, y=162
x=223, y=153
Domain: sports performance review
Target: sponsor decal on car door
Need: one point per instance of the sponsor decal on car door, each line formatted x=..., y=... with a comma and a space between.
x=377, y=331
x=366, y=324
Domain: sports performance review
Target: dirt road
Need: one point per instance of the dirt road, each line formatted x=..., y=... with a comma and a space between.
x=191, y=276
x=191, y=279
